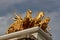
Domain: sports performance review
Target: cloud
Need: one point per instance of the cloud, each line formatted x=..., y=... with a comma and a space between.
x=5, y=3
x=22, y=5
x=7, y=6
x=4, y=23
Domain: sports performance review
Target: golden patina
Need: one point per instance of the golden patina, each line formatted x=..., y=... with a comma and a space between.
x=28, y=22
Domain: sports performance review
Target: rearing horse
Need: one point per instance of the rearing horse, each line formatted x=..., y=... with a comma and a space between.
x=16, y=26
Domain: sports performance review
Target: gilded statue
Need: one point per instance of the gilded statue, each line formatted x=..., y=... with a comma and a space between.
x=28, y=22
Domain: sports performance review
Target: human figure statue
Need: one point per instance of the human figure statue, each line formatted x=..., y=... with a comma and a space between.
x=27, y=19
x=35, y=21
x=44, y=24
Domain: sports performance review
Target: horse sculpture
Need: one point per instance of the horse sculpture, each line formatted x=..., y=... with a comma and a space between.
x=17, y=25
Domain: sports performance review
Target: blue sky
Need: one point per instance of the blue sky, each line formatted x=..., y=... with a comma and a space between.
x=50, y=7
